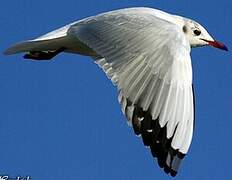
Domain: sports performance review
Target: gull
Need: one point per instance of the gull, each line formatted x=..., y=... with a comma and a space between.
x=145, y=52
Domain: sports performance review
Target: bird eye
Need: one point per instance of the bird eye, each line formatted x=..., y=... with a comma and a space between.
x=197, y=32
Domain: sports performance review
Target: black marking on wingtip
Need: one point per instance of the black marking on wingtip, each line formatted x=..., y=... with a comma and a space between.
x=43, y=55
x=173, y=173
x=160, y=145
x=136, y=123
x=145, y=126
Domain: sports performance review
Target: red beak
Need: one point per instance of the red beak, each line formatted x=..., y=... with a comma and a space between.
x=217, y=44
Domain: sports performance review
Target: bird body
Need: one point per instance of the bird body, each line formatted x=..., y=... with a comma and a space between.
x=53, y=40
x=146, y=54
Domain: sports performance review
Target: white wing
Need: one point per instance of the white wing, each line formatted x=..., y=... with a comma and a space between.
x=149, y=60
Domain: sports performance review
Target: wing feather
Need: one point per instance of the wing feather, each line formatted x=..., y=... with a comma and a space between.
x=148, y=58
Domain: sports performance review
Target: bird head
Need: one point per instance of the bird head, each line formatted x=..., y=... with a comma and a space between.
x=198, y=36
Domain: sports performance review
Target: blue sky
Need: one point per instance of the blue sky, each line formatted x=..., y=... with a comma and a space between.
x=61, y=119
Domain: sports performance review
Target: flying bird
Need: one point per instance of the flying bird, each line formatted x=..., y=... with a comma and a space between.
x=145, y=52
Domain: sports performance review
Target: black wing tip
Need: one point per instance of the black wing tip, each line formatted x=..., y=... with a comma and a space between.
x=155, y=136
x=173, y=173
x=170, y=171
x=43, y=55
x=161, y=153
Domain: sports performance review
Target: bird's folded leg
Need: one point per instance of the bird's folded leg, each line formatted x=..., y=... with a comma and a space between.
x=43, y=55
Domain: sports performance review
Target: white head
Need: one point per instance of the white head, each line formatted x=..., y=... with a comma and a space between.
x=197, y=34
